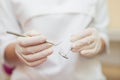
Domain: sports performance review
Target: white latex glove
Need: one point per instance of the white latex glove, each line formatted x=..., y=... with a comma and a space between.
x=33, y=50
x=88, y=42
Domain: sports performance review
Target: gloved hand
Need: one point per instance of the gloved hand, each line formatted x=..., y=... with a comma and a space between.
x=33, y=50
x=88, y=42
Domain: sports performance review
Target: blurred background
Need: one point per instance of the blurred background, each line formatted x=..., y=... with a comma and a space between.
x=110, y=62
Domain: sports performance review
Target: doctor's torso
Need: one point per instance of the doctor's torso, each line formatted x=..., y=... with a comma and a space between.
x=56, y=16
x=58, y=20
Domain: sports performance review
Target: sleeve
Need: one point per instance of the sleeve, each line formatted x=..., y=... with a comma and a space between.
x=7, y=23
x=101, y=22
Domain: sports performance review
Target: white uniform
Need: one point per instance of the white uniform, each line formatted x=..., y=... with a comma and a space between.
x=57, y=20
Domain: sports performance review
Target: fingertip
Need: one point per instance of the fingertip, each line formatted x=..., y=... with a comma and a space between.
x=50, y=45
x=44, y=59
x=83, y=52
x=74, y=50
x=86, y=54
x=43, y=38
x=50, y=51
x=73, y=46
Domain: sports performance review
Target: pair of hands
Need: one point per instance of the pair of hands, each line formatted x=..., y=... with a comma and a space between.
x=34, y=50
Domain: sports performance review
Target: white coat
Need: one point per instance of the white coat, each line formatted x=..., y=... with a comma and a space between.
x=57, y=20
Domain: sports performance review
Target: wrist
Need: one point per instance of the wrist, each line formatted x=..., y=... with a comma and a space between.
x=10, y=55
x=7, y=69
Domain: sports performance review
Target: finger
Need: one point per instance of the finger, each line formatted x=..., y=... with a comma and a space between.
x=80, y=35
x=36, y=63
x=31, y=41
x=20, y=57
x=89, y=53
x=37, y=48
x=32, y=33
x=82, y=43
x=38, y=56
x=91, y=46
